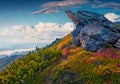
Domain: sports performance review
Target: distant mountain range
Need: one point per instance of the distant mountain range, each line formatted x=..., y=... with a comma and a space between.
x=9, y=45
x=7, y=57
x=15, y=52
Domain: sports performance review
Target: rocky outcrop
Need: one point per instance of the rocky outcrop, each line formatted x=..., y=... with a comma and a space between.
x=117, y=44
x=93, y=31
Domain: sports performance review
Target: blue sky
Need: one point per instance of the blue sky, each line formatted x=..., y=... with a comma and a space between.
x=30, y=23
x=19, y=12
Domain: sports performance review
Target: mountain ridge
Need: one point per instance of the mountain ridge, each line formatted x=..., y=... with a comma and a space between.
x=63, y=62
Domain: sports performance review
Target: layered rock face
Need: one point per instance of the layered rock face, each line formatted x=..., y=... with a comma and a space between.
x=93, y=31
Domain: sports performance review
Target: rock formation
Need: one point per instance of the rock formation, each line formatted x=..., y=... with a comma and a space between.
x=93, y=31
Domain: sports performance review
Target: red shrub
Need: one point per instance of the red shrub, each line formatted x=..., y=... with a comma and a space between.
x=65, y=52
x=109, y=53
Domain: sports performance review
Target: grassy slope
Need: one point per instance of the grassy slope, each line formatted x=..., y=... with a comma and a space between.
x=74, y=66
x=80, y=66
x=87, y=67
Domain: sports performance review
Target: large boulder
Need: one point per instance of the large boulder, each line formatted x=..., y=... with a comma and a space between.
x=93, y=31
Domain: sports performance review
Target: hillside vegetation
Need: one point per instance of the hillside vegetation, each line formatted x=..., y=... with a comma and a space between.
x=64, y=63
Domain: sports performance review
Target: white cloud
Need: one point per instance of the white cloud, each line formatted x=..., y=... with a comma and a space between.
x=65, y=3
x=46, y=11
x=55, y=6
x=113, y=5
x=40, y=33
x=112, y=17
x=5, y=32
